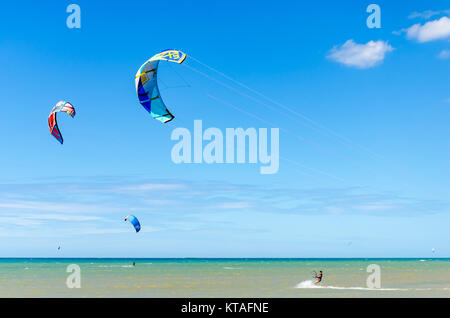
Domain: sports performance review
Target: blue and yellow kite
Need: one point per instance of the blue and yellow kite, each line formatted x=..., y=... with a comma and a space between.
x=147, y=86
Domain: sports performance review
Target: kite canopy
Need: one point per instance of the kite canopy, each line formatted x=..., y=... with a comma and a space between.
x=62, y=106
x=133, y=220
x=147, y=86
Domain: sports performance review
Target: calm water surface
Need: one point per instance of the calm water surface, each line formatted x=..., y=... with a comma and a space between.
x=224, y=278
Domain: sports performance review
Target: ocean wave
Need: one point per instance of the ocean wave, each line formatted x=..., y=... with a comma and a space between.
x=110, y=266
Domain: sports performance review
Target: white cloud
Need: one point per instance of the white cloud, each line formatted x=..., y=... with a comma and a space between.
x=360, y=55
x=430, y=31
x=445, y=54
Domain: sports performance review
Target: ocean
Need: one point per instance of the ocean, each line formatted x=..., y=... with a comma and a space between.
x=184, y=277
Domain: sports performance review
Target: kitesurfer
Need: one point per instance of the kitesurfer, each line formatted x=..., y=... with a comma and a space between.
x=318, y=277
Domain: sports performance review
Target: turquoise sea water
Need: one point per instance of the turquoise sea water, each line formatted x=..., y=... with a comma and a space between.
x=224, y=278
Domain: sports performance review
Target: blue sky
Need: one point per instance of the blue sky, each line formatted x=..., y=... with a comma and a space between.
x=365, y=175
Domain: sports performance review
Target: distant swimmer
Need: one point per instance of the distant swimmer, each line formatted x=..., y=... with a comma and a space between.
x=134, y=264
x=318, y=277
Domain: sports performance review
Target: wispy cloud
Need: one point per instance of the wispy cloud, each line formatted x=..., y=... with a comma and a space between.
x=18, y=221
x=361, y=56
x=427, y=14
x=232, y=205
x=147, y=187
x=187, y=200
x=48, y=206
x=61, y=217
x=430, y=31
x=33, y=220
x=444, y=54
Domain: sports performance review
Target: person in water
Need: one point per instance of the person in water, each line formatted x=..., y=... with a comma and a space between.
x=319, y=277
x=134, y=264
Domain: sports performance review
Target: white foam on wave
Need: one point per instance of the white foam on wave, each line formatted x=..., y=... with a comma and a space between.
x=227, y=267
x=310, y=284
x=307, y=284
